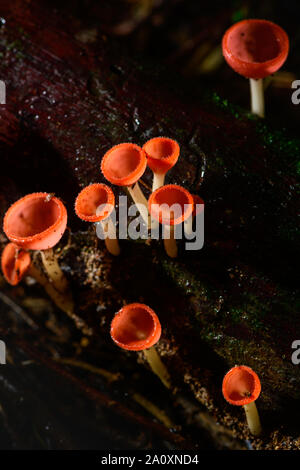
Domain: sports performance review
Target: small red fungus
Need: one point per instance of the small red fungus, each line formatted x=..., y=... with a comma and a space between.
x=255, y=49
x=170, y=205
x=89, y=200
x=162, y=154
x=37, y=222
x=123, y=165
x=241, y=387
x=15, y=262
x=95, y=203
x=136, y=327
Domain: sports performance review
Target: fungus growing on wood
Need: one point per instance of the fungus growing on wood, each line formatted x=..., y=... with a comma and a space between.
x=162, y=154
x=171, y=205
x=241, y=387
x=123, y=165
x=37, y=222
x=95, y=203
x=136, y=327
x=255, y=49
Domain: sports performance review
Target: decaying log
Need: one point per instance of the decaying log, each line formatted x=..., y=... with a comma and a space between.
x=232, y=302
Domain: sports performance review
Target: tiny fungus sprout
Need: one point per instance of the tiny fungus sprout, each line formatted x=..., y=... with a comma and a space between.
x=136, y=327
x=162, y=154
x=37, y=222
x=171, y=205
x=241, y=387
x=197, y=209
x=255, y=49
x=123, y=165
x=95, y=203
x=15, y=262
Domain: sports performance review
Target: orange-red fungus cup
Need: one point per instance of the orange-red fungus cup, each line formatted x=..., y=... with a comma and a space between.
x=135, y=327
x=36, y=221
x=124, y=164
x=255, y=48
x=241, y=386
x=93, y=197
x=171, y=204
x=162, y=154
x=14, y=263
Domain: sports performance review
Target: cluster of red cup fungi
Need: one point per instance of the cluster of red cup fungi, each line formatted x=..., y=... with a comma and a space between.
x=36, y=222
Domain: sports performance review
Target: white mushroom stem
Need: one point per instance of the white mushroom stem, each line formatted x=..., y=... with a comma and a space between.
x=63, y=301
x=252, y=417
x=158, y=181
x=53, y=270
x=257, y=97
x=169, y=241
x=111, y=241
x=157, y=366
x=140, y=201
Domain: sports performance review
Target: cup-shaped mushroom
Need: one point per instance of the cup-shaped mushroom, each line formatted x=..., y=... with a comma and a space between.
x=37, y=222
x=171, y=205
x=15, y=262
x=255, y=49
x=123, y=165
x=162, y=154
x=95, y=203
x=241, y=387
x=136, y=327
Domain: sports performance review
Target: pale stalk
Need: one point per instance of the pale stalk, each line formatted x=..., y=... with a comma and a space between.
x=158, y=181
x=252, y=417
x=170, y=241
x=257, y=97
x=53, y=270
x=141, y=202
x=62, y=300
x=111, y=241
x=157, y=366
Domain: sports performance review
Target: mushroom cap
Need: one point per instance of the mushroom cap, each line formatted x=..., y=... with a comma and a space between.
x=90, y=198
x=241, y=386
x=198, y=201
x=14, y=263
x=124, y=164
x=36, y=221
x=162, y=154
x=171, y=204
x=255, y=48
x=135, y=327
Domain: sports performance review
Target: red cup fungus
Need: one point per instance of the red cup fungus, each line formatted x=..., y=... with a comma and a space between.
x=241, y=387
x=170, y=205
x=162, y=154
x=136, y=327
x=123, y=165
x=15, y=262
x=255, y=48
x=37, y=222
x=95, y=203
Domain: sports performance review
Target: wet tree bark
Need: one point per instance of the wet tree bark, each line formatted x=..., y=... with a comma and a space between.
x=233, y=301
